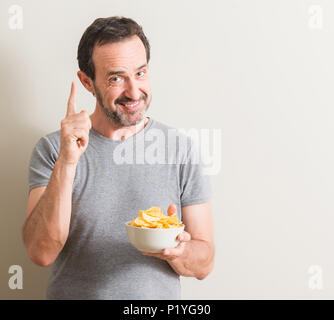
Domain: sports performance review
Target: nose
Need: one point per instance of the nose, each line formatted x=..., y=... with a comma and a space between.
x=132, y=90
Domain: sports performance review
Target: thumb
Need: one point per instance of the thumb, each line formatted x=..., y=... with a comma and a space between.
x=171, y=210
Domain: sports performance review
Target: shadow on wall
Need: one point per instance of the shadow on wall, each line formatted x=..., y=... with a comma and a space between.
x=17, y=138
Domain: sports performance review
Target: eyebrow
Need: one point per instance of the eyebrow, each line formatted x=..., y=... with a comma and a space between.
x=110, y=73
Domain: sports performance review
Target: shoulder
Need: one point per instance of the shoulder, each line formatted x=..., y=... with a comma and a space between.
x=50, y=141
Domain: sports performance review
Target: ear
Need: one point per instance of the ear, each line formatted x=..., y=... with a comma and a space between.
x=86, y=81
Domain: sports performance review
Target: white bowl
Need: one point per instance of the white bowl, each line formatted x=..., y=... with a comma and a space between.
x=152, y=239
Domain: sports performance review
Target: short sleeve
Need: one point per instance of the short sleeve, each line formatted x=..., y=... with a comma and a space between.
x=42, y=161
x=195, y=186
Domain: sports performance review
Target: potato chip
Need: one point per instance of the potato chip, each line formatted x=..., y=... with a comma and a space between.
x=155, y=218
x=155, y=224
x=155, y=212
x=138, y=222
x=172, y=220
x=149, y=218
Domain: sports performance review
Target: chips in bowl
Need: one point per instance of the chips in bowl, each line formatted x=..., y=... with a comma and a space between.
x=155, y=218
x=152, y=231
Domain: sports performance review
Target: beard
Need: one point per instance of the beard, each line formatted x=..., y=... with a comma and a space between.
x=119, y=118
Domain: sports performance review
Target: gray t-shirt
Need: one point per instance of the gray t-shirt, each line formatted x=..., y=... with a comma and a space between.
x=160, y=167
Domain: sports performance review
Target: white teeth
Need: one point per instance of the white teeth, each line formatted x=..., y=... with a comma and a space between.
x=131, y=105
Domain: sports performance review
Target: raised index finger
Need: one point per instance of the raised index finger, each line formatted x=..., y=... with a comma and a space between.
x=71, y=104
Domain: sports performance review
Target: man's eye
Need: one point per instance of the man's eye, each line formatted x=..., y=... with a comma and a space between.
x=115, y=79
x=141, y=73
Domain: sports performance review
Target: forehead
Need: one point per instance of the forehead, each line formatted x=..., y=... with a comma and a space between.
x=126, y=55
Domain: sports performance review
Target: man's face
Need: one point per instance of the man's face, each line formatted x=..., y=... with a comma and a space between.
x=121, y=81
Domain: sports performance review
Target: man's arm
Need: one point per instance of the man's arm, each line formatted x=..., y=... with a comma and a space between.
x=47, y=225
x=194, y=256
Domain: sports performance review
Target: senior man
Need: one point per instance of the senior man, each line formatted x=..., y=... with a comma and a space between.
x=81, y=192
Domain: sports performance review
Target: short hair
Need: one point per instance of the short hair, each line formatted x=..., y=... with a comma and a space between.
x=103, y=31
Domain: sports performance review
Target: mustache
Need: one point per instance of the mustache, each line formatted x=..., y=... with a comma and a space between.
x=126, y=99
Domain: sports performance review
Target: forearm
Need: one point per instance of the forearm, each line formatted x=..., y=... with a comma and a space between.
x=46, y=230
x=197, y=260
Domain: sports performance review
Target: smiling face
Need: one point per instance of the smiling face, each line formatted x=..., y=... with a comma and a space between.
x=121, y=84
